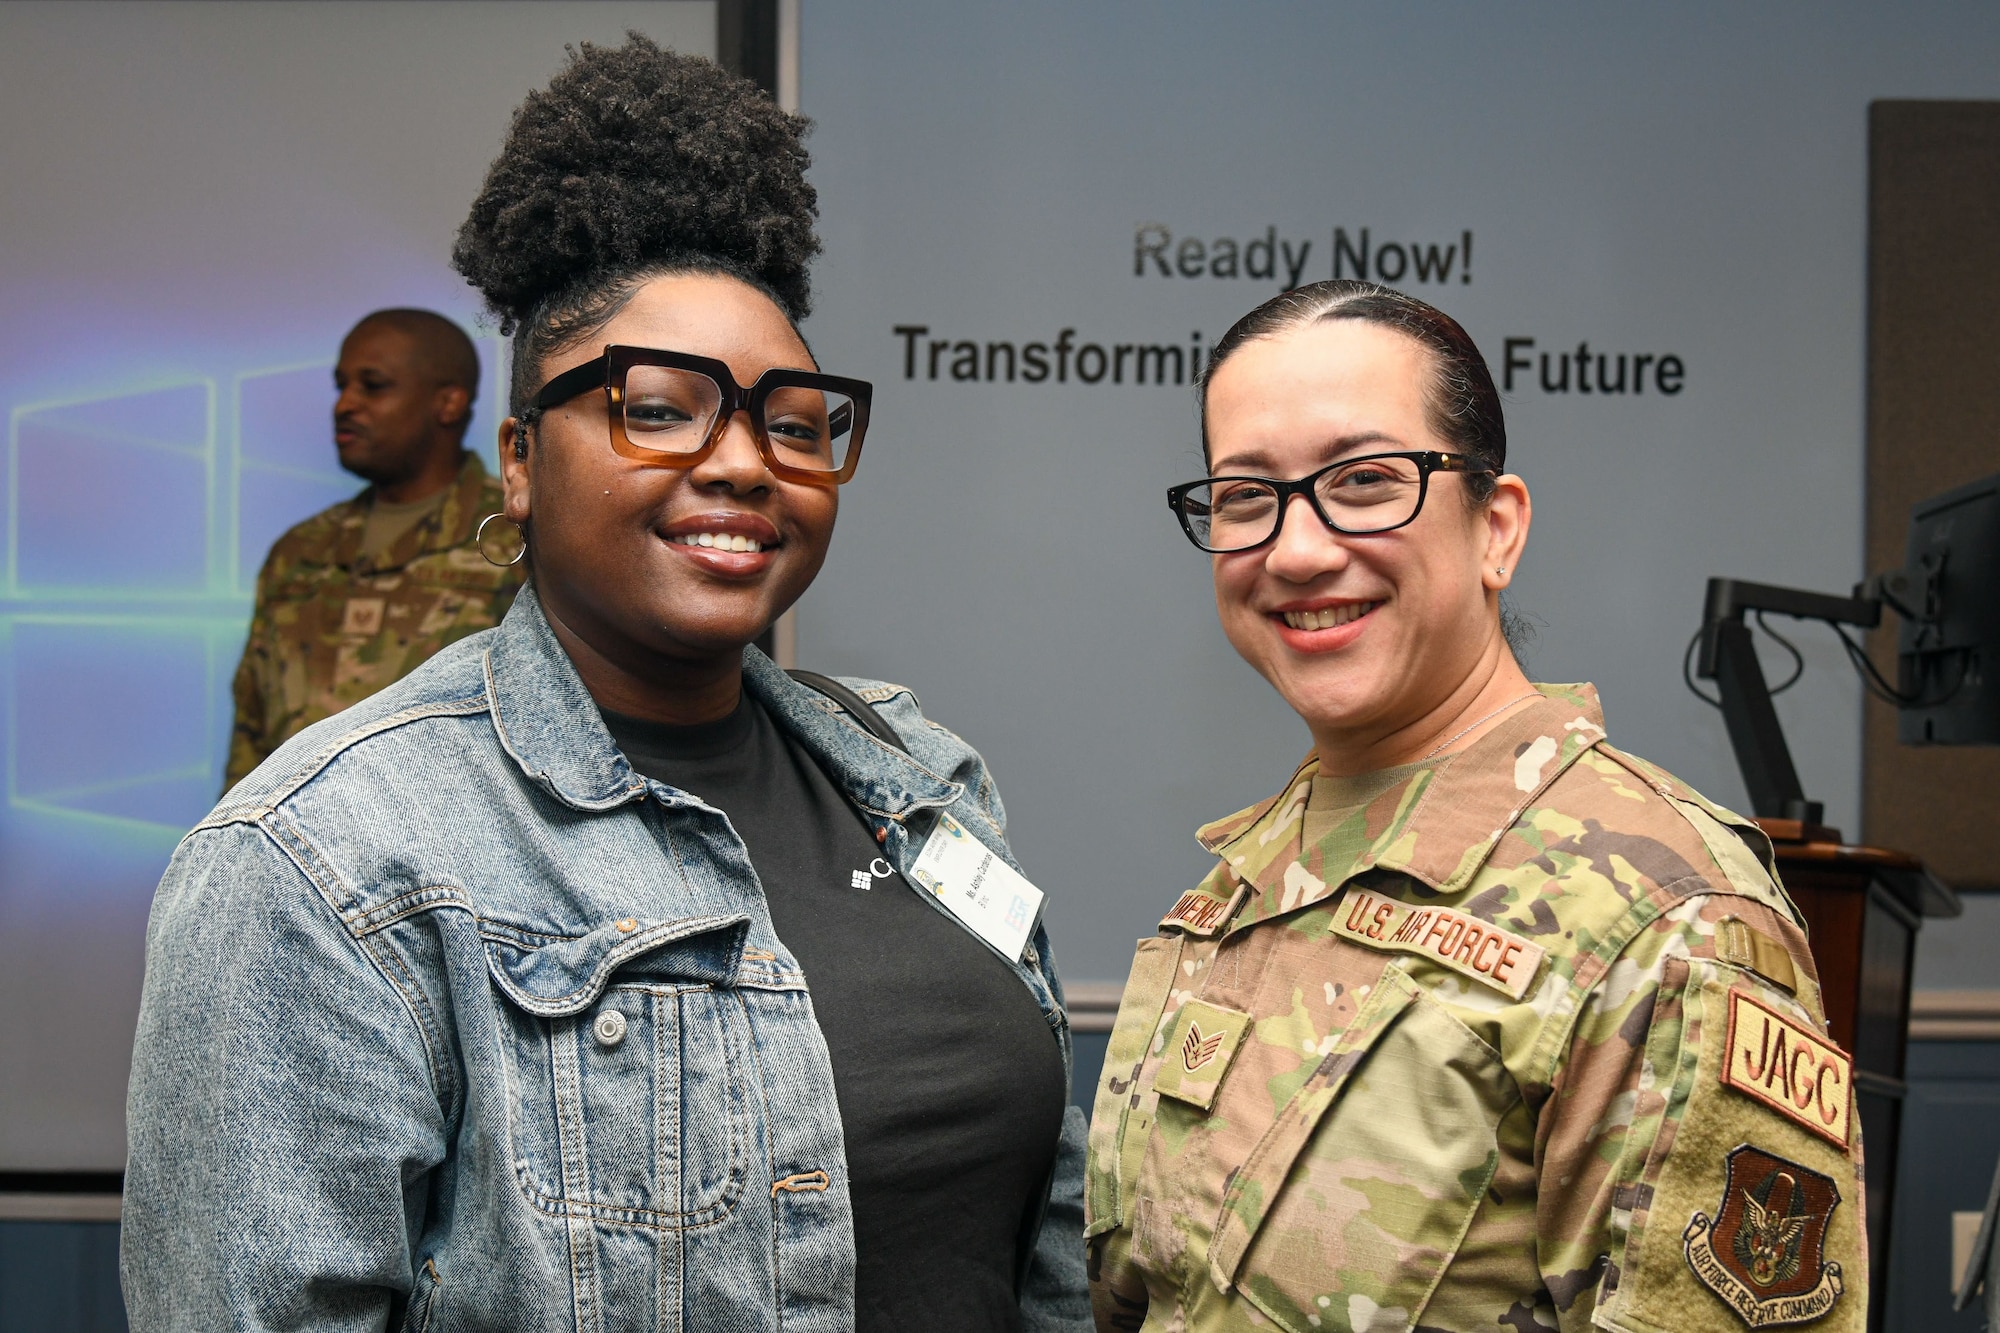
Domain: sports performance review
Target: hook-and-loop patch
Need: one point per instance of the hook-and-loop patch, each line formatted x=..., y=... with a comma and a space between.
x=1203, y=1040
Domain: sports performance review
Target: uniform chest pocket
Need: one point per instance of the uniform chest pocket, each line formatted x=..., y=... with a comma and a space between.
x=628, y=1063
x=1358, y=1193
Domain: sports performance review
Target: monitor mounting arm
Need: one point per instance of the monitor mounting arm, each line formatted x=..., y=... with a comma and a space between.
x=1729, y=659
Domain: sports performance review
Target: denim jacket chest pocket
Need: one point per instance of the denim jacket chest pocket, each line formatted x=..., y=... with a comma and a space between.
x=628, y=1053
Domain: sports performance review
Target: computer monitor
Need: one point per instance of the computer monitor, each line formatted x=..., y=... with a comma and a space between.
x=1948, y=652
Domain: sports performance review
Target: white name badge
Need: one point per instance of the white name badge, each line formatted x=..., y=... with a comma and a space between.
x=981, y=890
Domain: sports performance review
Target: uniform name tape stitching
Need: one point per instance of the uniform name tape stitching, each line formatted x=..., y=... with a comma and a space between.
x=1199, y=912
x=1477, y=949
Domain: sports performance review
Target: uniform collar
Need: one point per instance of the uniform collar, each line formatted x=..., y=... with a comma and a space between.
x=551, y=727
x=451, y=525
x=1437, y=825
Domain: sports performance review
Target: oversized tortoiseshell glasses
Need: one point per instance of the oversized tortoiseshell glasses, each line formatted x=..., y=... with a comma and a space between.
x=669, y=409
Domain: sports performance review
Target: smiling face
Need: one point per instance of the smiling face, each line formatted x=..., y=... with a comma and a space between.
x=1380, y=641
x=648, y=573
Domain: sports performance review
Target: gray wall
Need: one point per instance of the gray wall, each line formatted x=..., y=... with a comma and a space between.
x=1686, y=180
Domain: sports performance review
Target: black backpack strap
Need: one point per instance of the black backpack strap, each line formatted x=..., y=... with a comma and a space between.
x=857, y=708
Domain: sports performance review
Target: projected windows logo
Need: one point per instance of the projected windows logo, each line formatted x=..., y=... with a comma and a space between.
x=136, y=523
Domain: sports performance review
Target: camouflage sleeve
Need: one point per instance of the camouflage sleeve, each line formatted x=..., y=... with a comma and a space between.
x=249, y=741
x=1697, y=1096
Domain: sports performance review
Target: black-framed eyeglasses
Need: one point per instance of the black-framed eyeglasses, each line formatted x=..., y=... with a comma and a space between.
x=669, y=409
x=1355, y=496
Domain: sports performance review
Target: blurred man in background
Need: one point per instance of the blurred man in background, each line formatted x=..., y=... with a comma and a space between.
x=361, y=594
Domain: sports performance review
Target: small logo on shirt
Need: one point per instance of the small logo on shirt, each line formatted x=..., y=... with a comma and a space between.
x=865, y=879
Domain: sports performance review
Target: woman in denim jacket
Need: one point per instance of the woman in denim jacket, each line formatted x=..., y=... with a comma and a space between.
x=578, y=980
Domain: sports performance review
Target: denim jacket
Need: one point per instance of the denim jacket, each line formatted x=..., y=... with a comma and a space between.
x=453, y=1021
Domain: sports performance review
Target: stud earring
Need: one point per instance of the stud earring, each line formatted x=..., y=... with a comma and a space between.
x=1500, y=569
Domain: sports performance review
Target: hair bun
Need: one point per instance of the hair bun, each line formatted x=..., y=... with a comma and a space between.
x=636, y=155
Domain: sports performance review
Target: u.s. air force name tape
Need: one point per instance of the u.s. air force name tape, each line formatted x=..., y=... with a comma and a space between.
x=1479, y=949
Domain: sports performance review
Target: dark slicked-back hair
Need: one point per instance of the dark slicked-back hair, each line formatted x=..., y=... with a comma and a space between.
x=635, y=163
x=1464, y=406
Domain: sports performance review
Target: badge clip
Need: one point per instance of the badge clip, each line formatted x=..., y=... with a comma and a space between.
x=989, y=897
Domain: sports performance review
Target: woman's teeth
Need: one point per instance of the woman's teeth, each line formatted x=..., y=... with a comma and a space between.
x=721, y=541
x=1328, y=617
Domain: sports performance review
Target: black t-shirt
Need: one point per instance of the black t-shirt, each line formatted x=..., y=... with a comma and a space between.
x=950, y=1082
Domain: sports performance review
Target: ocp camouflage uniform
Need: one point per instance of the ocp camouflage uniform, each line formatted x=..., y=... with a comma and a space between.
x=1523, y=1038
x=333, y=626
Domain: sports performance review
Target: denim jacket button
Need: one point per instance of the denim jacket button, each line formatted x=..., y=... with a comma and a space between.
x=609, y=1029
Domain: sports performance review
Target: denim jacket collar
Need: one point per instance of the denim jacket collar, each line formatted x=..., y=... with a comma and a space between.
x=550, y=726
x=546, y=719
x=877, y=777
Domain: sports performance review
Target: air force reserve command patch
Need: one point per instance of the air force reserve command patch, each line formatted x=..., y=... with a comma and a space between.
x=1763, y=1253
x=1479, y=949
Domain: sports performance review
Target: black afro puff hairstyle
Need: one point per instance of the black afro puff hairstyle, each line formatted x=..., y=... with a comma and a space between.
x=637, y=160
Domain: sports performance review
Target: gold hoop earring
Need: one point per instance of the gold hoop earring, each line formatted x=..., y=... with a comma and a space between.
x=479, y=540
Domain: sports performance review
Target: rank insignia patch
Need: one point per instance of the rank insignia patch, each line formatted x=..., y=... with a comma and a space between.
x=362, y=615
x=1763, y=1252
x=1200, y=1045
x=1196, y=1049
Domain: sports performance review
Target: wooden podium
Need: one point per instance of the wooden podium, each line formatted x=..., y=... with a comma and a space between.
x=1863, y=907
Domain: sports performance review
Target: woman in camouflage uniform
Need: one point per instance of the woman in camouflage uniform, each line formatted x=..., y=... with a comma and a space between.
x=1479, y=1023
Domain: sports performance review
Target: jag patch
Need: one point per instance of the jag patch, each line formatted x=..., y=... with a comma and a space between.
x=1200, y=1045
x=1479, y=949
x=1789, y=1068
x=1763, y=1253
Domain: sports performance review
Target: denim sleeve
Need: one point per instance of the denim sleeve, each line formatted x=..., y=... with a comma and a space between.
x=1056, y=1296
x=284, y=1110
